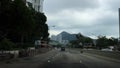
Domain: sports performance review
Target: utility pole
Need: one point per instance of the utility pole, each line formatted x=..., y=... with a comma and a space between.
x=118, y=46
x=119, y=27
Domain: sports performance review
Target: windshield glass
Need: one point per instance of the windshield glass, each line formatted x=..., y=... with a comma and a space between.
x=59, y=33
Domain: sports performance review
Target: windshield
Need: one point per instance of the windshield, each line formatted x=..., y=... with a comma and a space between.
x=59, y=34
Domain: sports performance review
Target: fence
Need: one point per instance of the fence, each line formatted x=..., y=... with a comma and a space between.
x=6, y=55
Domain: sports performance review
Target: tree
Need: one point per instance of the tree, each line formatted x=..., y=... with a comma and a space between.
x=103, y=42
x=45, y=32
x=23, y=23
x=6, y=16
x=20, y=23
x=83, y=39
x=112, y=41
x=74, y=44
x=41, y=30
x=6, y=44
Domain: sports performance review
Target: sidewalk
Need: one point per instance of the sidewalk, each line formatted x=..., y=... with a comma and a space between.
x=17, y=60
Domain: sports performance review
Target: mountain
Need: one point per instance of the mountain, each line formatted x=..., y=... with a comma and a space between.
x=67, y=36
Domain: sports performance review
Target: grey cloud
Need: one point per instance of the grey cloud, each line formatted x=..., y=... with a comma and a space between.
x=108, y=21
x=104, y=26
x=113, y=4
x=58, y=5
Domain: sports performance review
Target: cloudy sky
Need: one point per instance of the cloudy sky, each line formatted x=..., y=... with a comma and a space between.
x=89, y=17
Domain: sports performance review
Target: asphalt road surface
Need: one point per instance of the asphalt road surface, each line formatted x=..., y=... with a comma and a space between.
x=64, y=59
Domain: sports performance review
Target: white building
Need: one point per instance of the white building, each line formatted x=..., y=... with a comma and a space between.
x=59, y=39
x=53, y=37
x=38, y=5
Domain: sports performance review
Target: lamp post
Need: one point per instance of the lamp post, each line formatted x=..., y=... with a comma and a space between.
x=95, y=40
x=118, y=46
x=119, y=27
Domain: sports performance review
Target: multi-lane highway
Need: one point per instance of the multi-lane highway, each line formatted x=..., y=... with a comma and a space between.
x=64, y=59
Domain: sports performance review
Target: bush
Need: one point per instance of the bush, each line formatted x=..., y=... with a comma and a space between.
x=6, y=44
x=25, y=45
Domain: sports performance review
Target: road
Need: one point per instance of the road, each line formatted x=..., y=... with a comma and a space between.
x=64, y=59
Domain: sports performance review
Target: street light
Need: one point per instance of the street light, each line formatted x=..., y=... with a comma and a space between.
x=95, y=40
x=119, y=26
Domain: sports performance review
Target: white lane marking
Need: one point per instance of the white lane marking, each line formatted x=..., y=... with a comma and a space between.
x=48, y=61
x=80, y=61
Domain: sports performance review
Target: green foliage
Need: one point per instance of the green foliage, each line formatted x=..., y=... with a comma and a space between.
x=74, y=43
x=23, y=20
x=103, y=42
x=112, y=41
x=41, y=29
x=5, y=15
x=59, y=45
x=20, y=23
x=82, y=39
x=6, y=44
x=30, y=5
x=25, y=45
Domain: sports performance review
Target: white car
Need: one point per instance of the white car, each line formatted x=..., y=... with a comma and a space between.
x=106, y=49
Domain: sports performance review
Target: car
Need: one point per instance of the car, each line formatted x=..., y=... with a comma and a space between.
x=106, y=49
x=62, y=48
